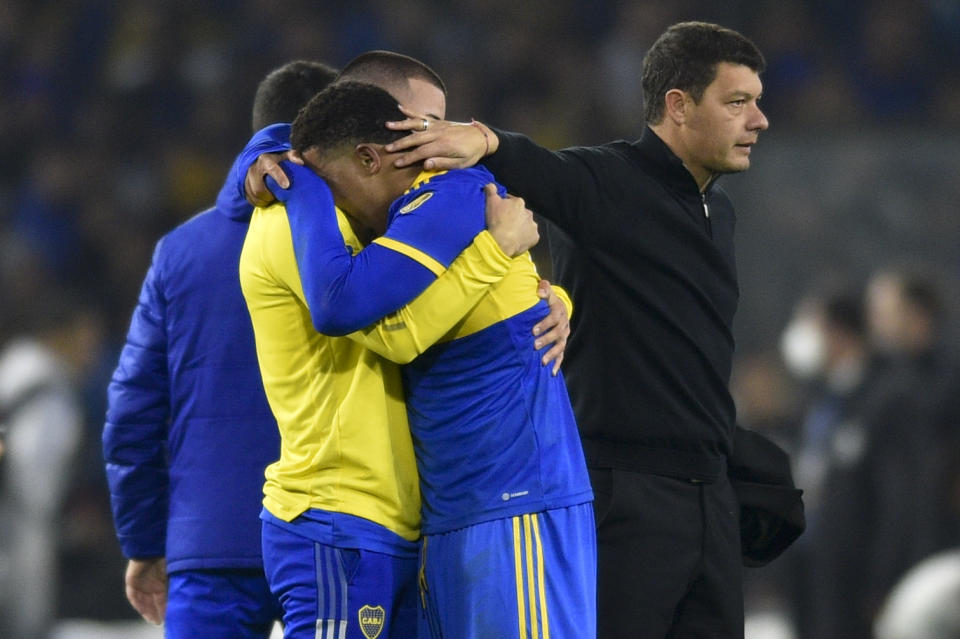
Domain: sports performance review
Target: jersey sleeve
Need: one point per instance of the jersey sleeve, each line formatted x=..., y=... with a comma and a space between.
x=272, y=139
x=346, y=292
x=411, y=330
x=135, y=432
x=439, y=219
x=564, y=297
x=554, y=184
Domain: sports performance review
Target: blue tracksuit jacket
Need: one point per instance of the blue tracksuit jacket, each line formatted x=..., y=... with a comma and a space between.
x=188, y=430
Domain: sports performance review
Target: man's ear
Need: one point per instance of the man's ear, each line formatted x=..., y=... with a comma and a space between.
x=675, y=105
x=369, y=157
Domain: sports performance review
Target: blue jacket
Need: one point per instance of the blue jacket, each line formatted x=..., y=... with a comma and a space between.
x=188, y=429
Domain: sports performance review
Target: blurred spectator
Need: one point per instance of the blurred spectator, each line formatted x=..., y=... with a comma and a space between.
x=826, y=345
x=42, y=419
x=862, y=449
x=907, y=317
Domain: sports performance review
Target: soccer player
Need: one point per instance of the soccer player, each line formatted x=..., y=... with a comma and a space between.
x=341, y=508
x=188, y=431
x=508, y=548
x=643, y=237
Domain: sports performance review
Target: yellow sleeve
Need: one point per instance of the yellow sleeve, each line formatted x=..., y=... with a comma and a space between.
x=564, y=297
x=403, y=335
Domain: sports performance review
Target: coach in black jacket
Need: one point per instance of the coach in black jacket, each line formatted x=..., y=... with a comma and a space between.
x=643, y=239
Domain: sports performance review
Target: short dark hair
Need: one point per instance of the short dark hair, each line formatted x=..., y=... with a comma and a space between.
x=388, y=69
x=346, y=113
x=686, y=56
x=282, y=93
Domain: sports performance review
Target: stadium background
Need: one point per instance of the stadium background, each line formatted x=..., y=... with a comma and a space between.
x=118, y=120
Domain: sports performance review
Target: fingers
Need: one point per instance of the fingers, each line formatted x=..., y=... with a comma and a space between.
x=544, y=291
x=443, y=145
x=415, y=123
x=410, y=141
x=274, y=170
x=555, y=355
x=556, y=339
x=254, y=184
x=150, y=605
x=557, y=362
x=438, y=163
x=554, y=329
x=490, y=190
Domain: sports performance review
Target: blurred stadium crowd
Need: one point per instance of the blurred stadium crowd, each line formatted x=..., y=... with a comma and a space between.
x=119, y=120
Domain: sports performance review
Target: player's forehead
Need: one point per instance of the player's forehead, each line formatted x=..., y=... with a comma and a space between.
x=423, y=97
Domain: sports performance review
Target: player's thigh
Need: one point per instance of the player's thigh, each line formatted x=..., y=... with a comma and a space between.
x=523, y=577
x=339, y=592
x=227, y=604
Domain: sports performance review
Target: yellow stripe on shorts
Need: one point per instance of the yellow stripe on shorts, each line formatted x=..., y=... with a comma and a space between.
x=531, y=590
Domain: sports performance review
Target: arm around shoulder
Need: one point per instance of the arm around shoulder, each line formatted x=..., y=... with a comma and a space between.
x=405, y=334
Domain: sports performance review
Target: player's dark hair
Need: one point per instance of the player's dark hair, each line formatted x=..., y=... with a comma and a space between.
x=686, y=56
x=346, y=113
x=282, y=93
x=388, y=69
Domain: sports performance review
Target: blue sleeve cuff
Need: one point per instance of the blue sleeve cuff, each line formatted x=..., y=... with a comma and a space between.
x=272, y=139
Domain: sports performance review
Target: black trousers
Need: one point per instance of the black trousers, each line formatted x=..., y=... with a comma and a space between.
x=668, y=557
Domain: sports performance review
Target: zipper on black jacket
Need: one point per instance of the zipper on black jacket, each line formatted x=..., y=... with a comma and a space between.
x=706, y=214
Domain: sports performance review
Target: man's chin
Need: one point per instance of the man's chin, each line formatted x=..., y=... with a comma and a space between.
x=738, y=166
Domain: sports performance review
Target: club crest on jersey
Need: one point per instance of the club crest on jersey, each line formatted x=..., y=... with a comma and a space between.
x=371, y=621
x=415, y=204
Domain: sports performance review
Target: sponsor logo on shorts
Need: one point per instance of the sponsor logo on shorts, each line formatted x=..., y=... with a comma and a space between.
x=371, y=621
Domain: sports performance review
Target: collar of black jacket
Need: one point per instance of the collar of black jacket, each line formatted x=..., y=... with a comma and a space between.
x=654, y=153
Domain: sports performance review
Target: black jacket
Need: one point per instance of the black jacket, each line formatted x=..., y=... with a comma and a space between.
x=771, y=506
x=649, y=262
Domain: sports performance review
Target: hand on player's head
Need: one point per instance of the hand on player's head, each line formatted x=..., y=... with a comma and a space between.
x=442, y=145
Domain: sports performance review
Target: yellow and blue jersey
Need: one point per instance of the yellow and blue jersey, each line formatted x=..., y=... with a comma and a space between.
x=493, y=429
x=345, y=443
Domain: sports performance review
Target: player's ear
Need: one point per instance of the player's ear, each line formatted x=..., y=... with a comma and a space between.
x=675, y=104
x=369, y=157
